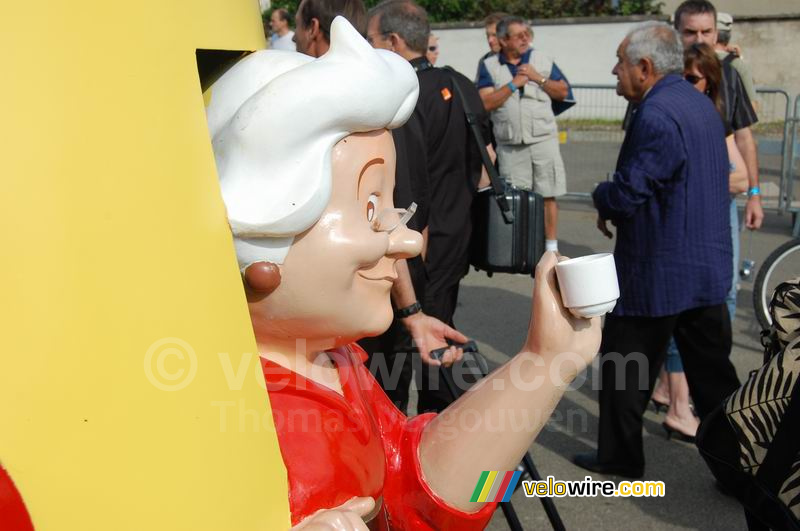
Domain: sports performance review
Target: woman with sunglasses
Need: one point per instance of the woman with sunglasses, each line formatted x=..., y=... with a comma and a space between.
x=702, y=69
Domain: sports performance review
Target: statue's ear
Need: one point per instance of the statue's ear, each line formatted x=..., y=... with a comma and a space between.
x=263, y=277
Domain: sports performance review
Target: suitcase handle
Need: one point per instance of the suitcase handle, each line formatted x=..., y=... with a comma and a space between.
x=498, y=185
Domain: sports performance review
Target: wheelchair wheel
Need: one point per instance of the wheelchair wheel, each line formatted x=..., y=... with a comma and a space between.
x=781, y=265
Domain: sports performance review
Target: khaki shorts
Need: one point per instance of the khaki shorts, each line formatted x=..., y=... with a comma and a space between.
x=536, y=167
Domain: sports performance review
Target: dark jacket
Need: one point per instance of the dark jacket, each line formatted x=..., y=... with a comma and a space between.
x=669, y=200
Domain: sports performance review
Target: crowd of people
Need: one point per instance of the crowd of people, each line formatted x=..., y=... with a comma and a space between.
x=688, y=152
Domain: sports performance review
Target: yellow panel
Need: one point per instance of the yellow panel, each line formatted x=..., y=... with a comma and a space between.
x=116, y=253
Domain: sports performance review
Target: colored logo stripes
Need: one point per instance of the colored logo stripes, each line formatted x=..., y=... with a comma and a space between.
x=495, y=486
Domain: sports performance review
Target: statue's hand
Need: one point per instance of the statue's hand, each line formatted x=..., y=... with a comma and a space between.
x=554, y=333
x=346, y=517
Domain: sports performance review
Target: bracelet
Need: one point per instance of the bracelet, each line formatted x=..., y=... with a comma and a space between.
x=408, y=311
x=754, y=190
x=512, y=86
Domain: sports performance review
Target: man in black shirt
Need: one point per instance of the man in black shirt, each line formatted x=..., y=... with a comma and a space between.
x=453, y=165
x=696, y=21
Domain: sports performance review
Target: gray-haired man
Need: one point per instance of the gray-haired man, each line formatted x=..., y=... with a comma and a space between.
x=453, y=165
x=669, y=202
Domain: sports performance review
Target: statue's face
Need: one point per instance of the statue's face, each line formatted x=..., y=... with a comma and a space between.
x=338, y=274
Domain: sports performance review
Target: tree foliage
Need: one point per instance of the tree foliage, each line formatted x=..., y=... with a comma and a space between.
x=465, y=10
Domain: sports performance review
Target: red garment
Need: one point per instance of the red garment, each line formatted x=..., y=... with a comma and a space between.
x=337, y=447
x=13, y=514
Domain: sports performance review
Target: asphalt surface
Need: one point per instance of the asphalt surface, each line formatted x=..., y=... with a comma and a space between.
x=495, y=312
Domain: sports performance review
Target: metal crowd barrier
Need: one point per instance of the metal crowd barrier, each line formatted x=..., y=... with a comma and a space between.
x=792, y=170
x=591, y=134
x=772, y=131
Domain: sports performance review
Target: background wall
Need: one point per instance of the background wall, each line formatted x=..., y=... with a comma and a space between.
x=584, y=52
x=585, y=48
x=745, y=7
x=770, y=47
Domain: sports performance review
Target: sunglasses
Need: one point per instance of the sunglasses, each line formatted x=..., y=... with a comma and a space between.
x=693, y=79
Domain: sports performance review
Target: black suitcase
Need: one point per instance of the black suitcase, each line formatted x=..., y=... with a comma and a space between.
x=498, y=246
x=507, y=223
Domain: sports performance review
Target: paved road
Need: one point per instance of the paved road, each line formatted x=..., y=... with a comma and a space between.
x=495, y=312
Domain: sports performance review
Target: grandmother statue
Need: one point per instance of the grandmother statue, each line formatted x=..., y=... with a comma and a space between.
x=306, y=167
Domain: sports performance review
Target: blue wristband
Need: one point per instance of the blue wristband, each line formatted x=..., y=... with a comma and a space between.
x=755, y=190
x=512, y=86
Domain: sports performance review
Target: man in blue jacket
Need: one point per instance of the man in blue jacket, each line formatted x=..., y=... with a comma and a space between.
x=669, y=202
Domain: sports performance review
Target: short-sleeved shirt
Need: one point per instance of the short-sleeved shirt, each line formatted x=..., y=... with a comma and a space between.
x=485, y=79
x=339, y=446
x=480, y=65
x=739, y=112
x=743, y=69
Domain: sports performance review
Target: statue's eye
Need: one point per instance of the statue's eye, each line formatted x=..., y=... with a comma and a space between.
x=372, y=205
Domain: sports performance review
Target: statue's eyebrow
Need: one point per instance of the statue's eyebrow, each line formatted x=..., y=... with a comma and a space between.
x=377, y=160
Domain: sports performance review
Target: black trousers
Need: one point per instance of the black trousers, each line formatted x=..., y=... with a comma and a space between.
x=632, y=352
x=434, y=396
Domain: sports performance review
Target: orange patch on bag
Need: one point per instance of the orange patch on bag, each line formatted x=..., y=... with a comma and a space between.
x=446, y=94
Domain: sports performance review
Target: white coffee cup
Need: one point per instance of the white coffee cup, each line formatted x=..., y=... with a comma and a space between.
x=588, y=284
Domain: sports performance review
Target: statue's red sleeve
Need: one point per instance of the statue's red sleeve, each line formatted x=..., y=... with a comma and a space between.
x=13, y=514
x=339, y=446
x=410, y=503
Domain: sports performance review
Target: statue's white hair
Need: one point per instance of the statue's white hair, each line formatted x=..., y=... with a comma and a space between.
x=274, y=119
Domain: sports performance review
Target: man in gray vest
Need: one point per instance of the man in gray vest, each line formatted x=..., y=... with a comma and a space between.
x=517, y=86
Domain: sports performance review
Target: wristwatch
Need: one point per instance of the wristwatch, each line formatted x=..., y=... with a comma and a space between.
x=754, y=190
x=408, y=311
x=542, y=82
